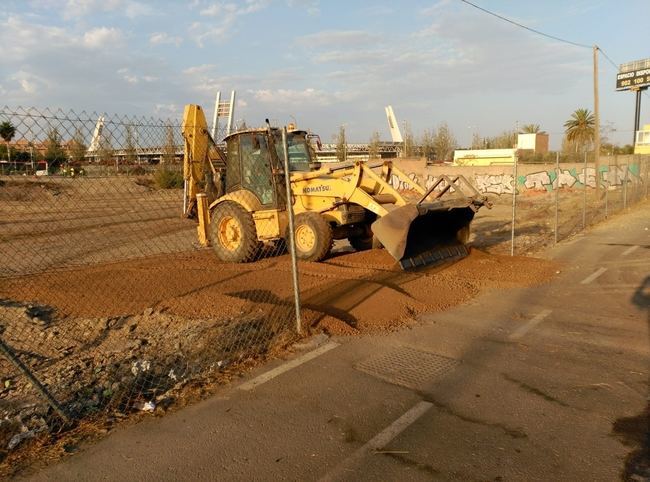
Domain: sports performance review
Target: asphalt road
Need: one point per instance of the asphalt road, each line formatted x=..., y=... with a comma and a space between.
x=543, y=383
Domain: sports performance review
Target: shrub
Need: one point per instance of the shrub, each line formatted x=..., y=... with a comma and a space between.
x=167, y=179
x=137, y=171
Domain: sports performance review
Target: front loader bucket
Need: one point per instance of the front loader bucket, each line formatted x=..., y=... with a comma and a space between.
x=424, y=234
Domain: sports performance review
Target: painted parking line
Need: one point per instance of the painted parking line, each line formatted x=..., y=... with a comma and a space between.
x=629, y=250
x=271, y=374
x=379, y=441
x=593, y=276
x=534, y=321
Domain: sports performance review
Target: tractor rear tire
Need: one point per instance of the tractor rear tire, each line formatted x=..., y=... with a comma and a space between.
x=313, y=236
x=233, y=234
x=365, y=242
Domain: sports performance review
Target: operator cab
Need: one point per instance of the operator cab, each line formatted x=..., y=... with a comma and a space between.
x=256, y=162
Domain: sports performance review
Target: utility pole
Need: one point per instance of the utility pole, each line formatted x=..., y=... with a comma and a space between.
x=597, y=124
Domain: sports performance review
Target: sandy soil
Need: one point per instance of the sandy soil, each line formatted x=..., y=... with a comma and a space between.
x=365, y=290
x=107, y=299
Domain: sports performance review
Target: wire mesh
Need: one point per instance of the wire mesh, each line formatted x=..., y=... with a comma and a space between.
x=107, y=298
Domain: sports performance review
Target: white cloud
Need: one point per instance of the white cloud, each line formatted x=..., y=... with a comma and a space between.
x=102, y=37
x=235, y=9
x=199, y=69
x=291, y=97
x=435, y=8
x=21, y=38
x=162, y=38
x=82, y=8
x=29, y=83
x=170, y=110
x=224, y=16
x=312, y=6
x=132, y=78
x=342, y=38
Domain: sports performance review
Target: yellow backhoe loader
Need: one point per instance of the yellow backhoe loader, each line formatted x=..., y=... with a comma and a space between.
x=240, y=200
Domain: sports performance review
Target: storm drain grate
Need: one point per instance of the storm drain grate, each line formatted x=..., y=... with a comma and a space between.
x=409, y=367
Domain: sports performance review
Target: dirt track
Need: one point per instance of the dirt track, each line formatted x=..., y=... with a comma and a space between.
x=350, y=292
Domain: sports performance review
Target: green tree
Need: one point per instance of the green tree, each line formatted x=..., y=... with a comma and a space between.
x=505, y=140
x=77, y=147
x=7, y=132
x=341, y=145
x=477, y=141
x=444, y=142
x=579, y=129
x=54, y=153
x=530, y=129
x=427, y=144
x=373, y=146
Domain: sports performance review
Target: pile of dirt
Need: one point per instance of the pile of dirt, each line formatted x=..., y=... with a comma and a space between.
x=366, y=291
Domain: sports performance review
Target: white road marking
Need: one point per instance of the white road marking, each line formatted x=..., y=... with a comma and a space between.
x=265, y=377
x=379, y=441
x=629, y=250
x=535, y=320
x=593, y=276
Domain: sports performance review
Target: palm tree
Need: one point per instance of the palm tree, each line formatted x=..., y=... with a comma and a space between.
x=7, y=132
x=531, y=129
x=579, y=129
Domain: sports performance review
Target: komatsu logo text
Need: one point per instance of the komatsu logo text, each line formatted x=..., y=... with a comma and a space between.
x=314, y=189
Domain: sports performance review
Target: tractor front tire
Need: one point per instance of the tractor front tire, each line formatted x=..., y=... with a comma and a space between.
x=313, y=236
x=233, y=234
x=365, y=242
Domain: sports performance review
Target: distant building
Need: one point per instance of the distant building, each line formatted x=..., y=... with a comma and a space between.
x=642, y=142
x=484, y=157
x=536, y=143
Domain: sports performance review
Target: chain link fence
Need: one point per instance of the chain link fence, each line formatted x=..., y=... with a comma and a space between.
x=108, y=303
x=537, y=206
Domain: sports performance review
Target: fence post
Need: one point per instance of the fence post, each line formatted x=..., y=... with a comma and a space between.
x=514, y=204
x=292, y=234
x=646, y=180
x=584, y=194
x=606, y=186
x=557, y=193
x=625, y=178
x=38, y=386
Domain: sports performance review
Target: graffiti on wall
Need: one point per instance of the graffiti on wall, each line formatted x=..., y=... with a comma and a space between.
x=494, y=183
x=546, y=180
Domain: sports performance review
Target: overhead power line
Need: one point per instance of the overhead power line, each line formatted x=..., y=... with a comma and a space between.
x=543, y=34
x=576, y=44
x=616, y=66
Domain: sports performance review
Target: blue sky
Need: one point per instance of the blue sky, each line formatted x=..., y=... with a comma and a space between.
x=326, y=63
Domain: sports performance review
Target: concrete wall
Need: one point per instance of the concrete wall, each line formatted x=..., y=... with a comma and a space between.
x=530, y=177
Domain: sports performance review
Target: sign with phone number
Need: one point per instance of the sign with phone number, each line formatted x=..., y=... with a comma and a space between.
x=633, y=80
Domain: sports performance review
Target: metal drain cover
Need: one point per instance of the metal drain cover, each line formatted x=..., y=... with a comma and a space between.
x=409, y=367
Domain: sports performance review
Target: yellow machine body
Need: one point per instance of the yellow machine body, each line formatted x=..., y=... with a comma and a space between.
x=353, y=201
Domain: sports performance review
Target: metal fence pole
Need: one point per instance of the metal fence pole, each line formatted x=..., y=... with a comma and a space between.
x=606, y=186
x=584, y=194
x=292, y=238
x=40, y=388
x=557, y=193
x=646, y=180
x=625, y=178
x=514, y=204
